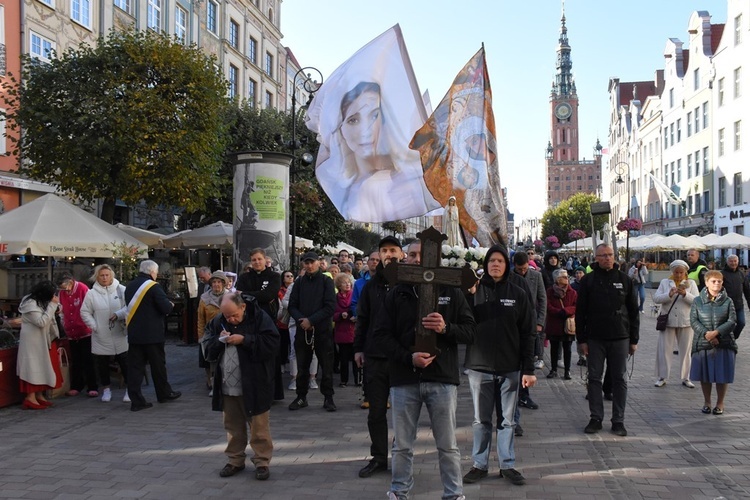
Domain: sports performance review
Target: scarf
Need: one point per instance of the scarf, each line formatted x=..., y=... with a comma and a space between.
x=559, y=291
x=211, y=299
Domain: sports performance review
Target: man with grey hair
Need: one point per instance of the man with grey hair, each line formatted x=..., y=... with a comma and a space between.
x=736, y=286
x=204, y=276
x=148, y=307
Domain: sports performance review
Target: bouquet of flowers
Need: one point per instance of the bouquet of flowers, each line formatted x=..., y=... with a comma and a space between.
x=458, y=256
x=576, y=234
x=552, y=241
x=630, y=224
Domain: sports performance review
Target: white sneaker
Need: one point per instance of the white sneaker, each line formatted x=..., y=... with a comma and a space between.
x=313, y=384
x=126, y=398
x=660, y=383
x=107, y=395
x=292, y=385
x=561, y=363
x=211, y=393
x=539, y=364
x=688, y=384
x=391, y=496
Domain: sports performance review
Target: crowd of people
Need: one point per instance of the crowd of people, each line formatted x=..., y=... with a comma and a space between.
x=344, y=317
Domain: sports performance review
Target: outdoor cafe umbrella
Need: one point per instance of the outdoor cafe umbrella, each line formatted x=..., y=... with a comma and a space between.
x=730, y=240
x=150, y=238
x=53, y=227
x=217, y=234
x=674, y=242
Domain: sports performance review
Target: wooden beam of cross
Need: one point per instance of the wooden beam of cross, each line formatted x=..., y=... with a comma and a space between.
x=429, y=276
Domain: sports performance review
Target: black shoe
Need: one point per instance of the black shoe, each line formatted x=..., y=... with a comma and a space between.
x=528, y=403
x=567, y=375
x=519, y=430
x=298, y=403
x=608, y=396
x=230, y=470
x=474, y=475
x=676, y=353
x=595, y=425
x=328, y=404
x=144, y=406
x=262, y=473
x=552, y=374
x=513, y=476
x=372, y=467
x=619, y=429
x=171, y=396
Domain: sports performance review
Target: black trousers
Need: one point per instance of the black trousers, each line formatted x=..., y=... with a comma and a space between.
x=102, y=365
x=322, y=344
x=555, y=343
x=82, y=371
x=138, y=356
x=615, y=354
x=346, y=358
x=378, y=389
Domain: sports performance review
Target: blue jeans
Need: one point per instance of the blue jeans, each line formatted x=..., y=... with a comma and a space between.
x=406, y=401
x=641, y=295
x=487, y=391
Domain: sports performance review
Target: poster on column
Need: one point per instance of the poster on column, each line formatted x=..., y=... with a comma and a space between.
x=261, y=207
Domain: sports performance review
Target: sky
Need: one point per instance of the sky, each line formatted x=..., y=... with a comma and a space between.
x=625, y=40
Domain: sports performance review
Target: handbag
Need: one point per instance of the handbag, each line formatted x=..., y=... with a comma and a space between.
x=64, y=371
x=661, y=320
x=570, y=322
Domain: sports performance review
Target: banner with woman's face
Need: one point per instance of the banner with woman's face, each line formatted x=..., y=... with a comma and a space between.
x=364, y=116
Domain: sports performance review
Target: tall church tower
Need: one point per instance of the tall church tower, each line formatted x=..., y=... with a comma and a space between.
x=566, y=174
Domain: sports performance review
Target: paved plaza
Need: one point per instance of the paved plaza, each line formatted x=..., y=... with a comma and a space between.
x=85, y=449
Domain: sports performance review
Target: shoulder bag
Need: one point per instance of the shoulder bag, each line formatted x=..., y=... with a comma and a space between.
x=661, y=320
x=570, y=322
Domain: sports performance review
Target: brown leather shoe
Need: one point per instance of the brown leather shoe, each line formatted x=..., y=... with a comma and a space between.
x=230, y=470
x=262, y=473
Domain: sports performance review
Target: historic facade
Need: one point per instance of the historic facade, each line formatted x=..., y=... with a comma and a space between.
x=567, y=173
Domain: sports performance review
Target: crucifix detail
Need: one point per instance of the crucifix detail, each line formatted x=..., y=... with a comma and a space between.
x=429, y=277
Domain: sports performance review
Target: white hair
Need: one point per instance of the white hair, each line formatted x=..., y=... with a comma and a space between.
x=148, y=267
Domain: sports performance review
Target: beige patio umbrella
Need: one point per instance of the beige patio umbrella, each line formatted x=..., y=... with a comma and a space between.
x=150, y=238
x=218, y=234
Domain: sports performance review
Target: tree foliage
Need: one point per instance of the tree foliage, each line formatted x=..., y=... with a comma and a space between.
x=570, y=214
x=138, y=117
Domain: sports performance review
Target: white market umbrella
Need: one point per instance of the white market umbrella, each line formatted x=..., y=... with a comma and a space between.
x=301, y=242
x=730, y=240
x=709, y=240
x=643, y=241
x=217, y=234
x=53, y=227
x=150, y=238
x=343, y=246
x=674, y=242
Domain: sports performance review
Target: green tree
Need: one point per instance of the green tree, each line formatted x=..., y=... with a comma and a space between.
x=573, y=213
x=363, y=239
x=138, y=117
x=395, y=226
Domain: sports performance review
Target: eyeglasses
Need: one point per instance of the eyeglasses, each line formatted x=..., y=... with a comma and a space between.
x=605, y=255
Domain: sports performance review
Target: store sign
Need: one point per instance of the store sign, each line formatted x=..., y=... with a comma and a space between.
x=738, y=214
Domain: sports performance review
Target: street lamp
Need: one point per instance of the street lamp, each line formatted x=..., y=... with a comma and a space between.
x=620, y=170
x=311, y=85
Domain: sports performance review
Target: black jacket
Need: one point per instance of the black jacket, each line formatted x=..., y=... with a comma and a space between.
x=368, y=310
x=736, y=285
x=395, y=331
x=548, y=269
x=313, y=297
x=148, y=323
x=264, y=286
x=506, y=324
x=257, y=355
x=607, y=307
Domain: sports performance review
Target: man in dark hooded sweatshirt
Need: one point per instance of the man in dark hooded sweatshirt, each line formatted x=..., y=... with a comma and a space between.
x=500, y=361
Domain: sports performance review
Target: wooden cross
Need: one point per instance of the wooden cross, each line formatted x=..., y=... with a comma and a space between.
x=429, y=276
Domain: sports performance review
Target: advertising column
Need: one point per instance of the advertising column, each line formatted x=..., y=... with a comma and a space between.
x=261, y=206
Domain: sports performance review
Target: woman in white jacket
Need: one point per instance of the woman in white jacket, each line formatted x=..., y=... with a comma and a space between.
x=104, y=311
x=681, y=291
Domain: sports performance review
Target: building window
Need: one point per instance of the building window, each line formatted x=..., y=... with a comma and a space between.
x=153, y=15
x=737, y=188
x=720, y=92
x=233, y=74
x=679, y=170
x=252, y=50
x=269, y=100
x=689, y=205
x=689, y=123
x=41, y=48
x=251, y=92
x=737, y=82
x=123, y=4
x=738, y=30
x=671, y=174
x=737, y=139
x=234, y=34
x=706, y=202
x=721, y=142
x=679, y=131
x=696, y=79
x=705, y=160
x=671, y=98
x=671, y=134
x=697, y=121
x=689, y=165
x=705, y=115
x=180, y=24
x=80, y=12
x=212, y=17
x=697, y=202
x=269, y=64
x=698, y=163
x=51, y=3
x=666, y=137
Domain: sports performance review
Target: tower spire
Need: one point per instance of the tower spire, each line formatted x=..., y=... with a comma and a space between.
x=564, y=84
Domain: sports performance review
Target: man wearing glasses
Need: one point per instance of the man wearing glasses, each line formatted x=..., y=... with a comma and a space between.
x=607, y=322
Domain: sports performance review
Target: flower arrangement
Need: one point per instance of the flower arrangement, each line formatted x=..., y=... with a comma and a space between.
x=552, y=241
x=576, y=234
x=538, y=244
x=458, y=256
x=630, y=224
x=127, y=258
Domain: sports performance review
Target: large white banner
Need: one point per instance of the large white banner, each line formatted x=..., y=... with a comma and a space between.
x=261, y=206
x=365, y=115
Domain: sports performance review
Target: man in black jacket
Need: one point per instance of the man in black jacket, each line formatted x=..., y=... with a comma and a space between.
x=373, y=358
x=500, y=359
x=419, y=378
x=736, y=285
x=243, y=342
x=312, y=304
x=148, y=307
x=607, y=323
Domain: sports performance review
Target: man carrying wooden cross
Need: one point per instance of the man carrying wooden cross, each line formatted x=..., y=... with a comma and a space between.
x=422, y=377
